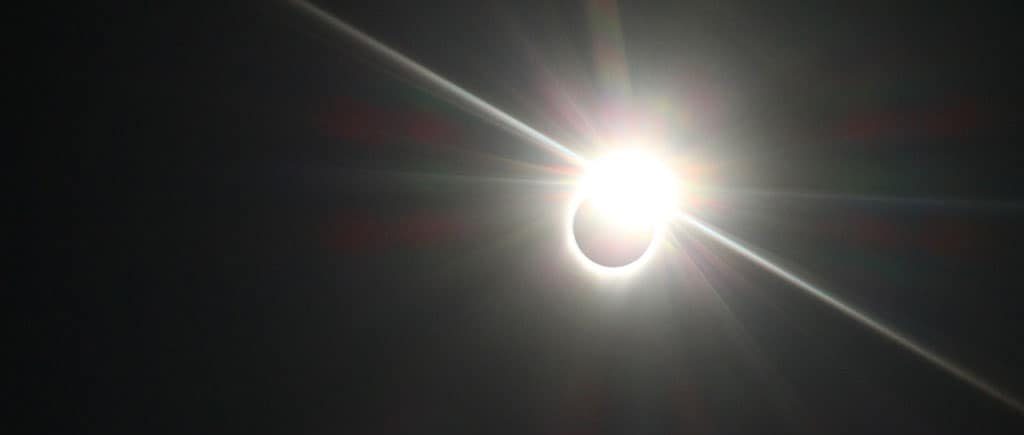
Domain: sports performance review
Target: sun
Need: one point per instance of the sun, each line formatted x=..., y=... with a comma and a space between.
x=623, y=203
x=631, y=188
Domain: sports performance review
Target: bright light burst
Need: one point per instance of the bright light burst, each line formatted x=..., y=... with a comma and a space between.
x=633, y=196
x=631, y=188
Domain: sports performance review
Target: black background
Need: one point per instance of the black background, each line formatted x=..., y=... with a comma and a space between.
x=258, y=246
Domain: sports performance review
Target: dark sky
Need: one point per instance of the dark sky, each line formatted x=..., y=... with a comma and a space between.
x=276, y=231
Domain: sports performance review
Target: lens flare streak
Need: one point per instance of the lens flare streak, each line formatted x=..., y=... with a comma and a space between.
x=487, y=110
x=887, y=332
x=478, y=105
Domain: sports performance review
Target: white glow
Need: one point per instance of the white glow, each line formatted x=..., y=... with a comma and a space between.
x=631, y=188
x=634, y=191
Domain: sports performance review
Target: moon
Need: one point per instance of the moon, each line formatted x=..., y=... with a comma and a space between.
x=604, y=241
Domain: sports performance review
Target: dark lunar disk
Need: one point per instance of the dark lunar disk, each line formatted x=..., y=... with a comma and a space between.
x=606, y=242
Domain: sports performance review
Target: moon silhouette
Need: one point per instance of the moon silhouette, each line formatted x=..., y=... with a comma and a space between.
x=606, y=242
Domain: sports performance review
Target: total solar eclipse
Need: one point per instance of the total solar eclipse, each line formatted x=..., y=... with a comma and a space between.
x=626, y=202
x=618, y=216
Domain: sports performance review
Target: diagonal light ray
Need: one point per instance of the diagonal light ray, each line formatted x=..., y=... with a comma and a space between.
x=478, y=105
x=779, y=389
x=887, y=332
x=487, y=110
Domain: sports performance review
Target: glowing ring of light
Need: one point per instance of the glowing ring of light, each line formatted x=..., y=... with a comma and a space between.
x=601, y=270
x=657, y=237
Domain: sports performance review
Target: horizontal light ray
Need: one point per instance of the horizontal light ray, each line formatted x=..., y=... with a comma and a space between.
x=887, y=332
x=443, y=178
x=480, y=106
x=907, y=201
